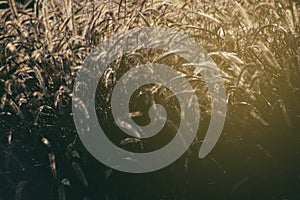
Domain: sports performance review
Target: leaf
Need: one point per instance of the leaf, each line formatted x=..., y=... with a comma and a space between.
x=79, y=173
x=19, y=189
x=52, y=164
x=61, y=192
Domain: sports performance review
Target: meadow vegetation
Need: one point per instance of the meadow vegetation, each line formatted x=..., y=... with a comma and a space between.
x=256, y=46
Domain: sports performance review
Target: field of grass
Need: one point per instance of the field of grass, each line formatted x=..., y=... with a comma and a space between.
x=256, y=46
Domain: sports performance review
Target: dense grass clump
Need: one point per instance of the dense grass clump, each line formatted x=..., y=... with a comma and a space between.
x=256, y=46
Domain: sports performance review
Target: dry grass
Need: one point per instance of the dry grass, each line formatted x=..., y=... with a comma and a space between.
x=255, y=44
